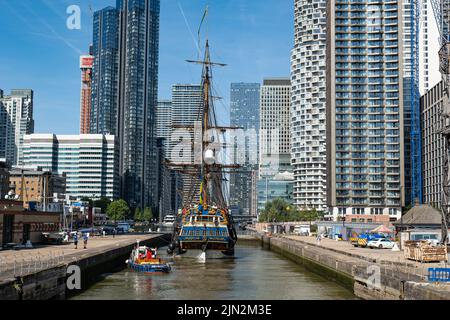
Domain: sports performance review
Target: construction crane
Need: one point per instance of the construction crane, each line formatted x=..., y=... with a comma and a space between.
x=441, y=10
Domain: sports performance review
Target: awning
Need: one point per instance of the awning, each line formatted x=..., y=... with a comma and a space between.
x=382, y=229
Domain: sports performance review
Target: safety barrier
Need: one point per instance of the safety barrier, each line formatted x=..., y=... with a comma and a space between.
x=439, y=274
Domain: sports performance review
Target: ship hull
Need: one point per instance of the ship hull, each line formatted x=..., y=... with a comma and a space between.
x=150, y=268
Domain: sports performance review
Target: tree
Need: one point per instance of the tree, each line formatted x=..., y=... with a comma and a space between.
x=138, y=216
x=148, y=214
x=87, y=199
x=117, y=210
x=102, y=203
x=280, y=210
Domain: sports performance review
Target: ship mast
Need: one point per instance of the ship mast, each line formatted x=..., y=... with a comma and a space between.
x=207, y=119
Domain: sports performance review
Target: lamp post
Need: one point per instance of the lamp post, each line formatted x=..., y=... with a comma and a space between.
x=401, y=217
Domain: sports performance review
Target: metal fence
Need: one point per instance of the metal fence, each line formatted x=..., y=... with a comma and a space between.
x=22, y=266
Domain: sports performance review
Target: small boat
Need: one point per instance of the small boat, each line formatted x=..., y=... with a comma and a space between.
x=143, y=259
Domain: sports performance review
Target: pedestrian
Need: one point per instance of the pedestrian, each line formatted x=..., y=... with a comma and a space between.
x=104, y=233
x=75, y=240
x=85, y=239
x=114, y=232
x=319, y=238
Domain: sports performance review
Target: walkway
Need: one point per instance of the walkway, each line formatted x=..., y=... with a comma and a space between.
x=25, y=261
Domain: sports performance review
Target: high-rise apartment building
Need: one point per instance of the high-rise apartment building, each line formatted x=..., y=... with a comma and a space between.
x=89, y=162
x=244, y=114
x=138, y=98
x=170, y=181
x=164, y=121
x=433, y=144
x=16, y=120
x=369, y=63
x=429, y=48
x=124, y=93
x=105, y=50
x=275, y=127
x=308, y=75
x=86, y=63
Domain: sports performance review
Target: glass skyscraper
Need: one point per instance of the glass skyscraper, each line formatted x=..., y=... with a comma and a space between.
x=105, y=48
x=245, y=102
x=125, y=92
x=138, y=99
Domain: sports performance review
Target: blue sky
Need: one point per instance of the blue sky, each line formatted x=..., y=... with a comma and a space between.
x=254, y=37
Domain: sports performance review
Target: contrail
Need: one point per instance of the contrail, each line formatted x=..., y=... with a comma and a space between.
x=49, y=4
x=189, y=28
x=52, y=30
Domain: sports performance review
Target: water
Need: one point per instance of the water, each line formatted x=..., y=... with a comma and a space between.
x=253, y=274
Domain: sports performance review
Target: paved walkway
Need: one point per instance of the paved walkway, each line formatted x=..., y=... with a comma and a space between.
x=25, y=261
x=394, y=259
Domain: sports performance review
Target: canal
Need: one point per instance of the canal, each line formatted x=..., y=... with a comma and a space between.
x=253, y=274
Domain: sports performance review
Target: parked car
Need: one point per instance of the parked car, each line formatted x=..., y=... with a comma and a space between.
x=381, y=244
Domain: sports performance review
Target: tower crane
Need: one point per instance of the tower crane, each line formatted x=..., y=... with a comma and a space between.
x=441, y=10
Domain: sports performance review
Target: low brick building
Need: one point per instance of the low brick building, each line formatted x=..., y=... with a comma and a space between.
x=18, y=225
x=32, y=185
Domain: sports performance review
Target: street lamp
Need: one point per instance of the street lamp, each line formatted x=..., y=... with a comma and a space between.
x=401, y=216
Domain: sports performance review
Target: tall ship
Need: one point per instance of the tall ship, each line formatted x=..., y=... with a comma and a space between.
x=205, y=223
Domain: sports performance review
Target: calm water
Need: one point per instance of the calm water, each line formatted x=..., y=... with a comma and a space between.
x=253, y=274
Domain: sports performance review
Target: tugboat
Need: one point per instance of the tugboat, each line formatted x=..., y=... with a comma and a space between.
x=143, y=259
x=205, y=224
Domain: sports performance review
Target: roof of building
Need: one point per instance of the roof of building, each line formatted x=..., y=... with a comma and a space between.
x=421, y=215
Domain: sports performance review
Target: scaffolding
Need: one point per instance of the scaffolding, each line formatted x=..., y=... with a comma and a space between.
x=416, y=131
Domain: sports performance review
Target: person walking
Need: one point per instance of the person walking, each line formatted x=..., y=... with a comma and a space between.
x=75, y=240
x=114, y=232
x=85, y=240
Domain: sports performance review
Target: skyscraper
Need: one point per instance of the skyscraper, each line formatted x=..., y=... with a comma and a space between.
x=308, y=75
x=275, y=127
x=164, y=121
x=86, y=63
x=187, y=103
x=105, y=49
x=245, y=101
x=433, y=145
x=125, y=89
x=16, y=120
x=170, y=181
x=370, y=63
x=137, y=100
x=429, y=48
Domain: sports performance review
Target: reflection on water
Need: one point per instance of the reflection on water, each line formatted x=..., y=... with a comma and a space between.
x=254, y=273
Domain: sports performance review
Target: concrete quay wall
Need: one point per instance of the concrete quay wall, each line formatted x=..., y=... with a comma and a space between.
x=368, y=279
x=50, y=284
